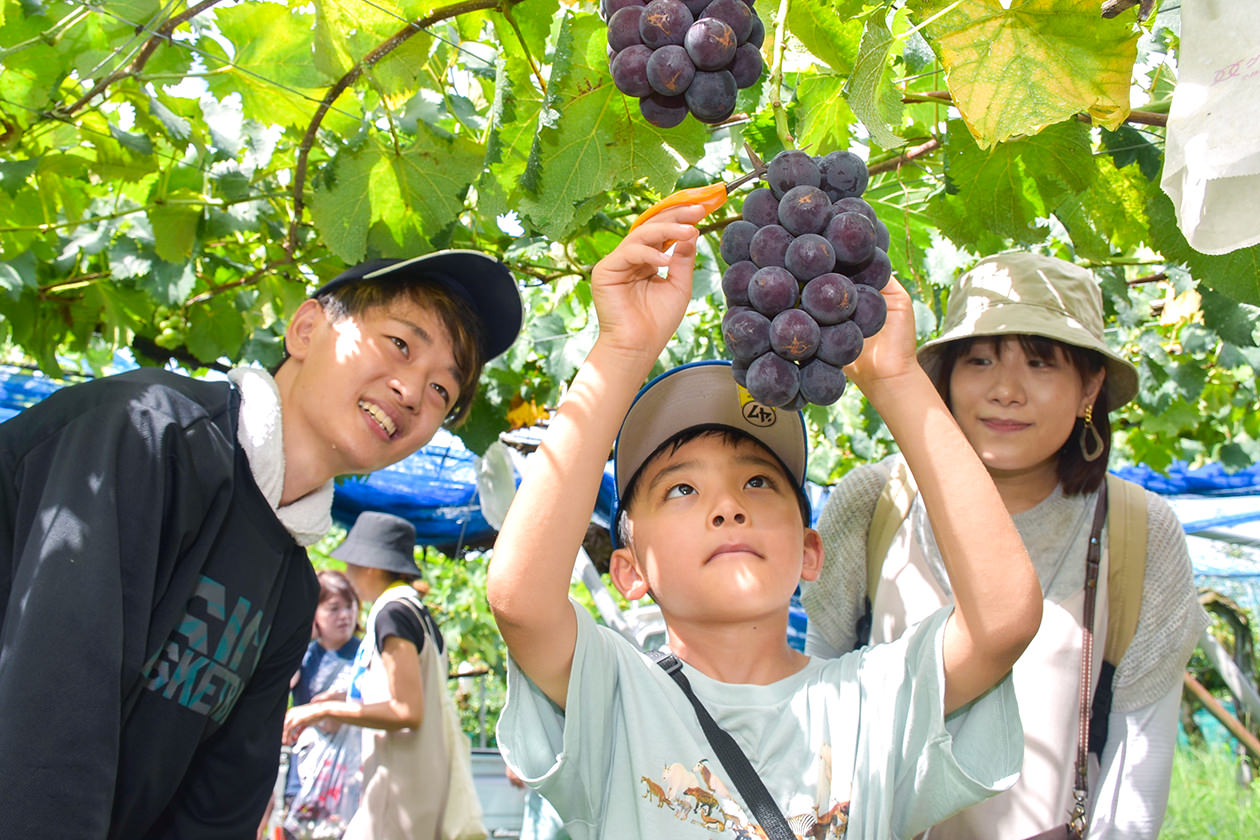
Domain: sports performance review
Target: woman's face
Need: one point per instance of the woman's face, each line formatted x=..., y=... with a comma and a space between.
x=335, y=620
x=1015, y=409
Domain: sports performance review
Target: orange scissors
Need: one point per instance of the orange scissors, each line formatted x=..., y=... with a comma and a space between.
x=710, y=196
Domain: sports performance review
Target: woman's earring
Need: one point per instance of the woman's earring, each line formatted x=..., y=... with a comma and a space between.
x=1088, y=431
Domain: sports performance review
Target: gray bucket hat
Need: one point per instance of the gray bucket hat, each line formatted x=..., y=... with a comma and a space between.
x=380, y=541
x=1030, y=294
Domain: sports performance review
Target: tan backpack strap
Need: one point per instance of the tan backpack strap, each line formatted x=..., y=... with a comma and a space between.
x=1126, y=558
x=891, y=509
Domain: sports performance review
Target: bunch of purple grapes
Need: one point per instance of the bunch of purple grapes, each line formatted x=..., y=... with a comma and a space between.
x=683, y=56
x=805, y=266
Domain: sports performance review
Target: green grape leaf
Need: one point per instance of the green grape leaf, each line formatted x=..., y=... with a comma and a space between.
x=175, y=223
x=1236, y=274
x=341, y=205
x=870, y=90
x=824, y=119
x=215, y=329
x=1017, y=66
x=829, y=29
x=569, y=171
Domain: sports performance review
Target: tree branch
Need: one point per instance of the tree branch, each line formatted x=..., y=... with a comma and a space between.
x=339, y=87
x=937, y=96
x=895, y=163
x=161, y=36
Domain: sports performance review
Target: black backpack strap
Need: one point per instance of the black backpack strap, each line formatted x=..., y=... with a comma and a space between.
x=733, y=760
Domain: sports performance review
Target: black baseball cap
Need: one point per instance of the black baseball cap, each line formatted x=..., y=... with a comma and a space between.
x=479, y=279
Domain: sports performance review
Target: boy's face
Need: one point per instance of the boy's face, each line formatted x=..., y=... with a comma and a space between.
x=716, y=533
x=370, y=389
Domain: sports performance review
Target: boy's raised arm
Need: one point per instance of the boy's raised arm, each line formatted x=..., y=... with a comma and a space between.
x=997, y=597
x=638, y=311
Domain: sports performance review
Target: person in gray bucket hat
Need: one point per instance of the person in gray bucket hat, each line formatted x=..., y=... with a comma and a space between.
x=1023, y=365
x=396, y=687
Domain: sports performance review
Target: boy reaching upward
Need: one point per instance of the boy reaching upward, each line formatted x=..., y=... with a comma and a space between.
x=713, y=524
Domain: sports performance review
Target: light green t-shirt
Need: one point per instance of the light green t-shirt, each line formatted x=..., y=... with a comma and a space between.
x=858, y=743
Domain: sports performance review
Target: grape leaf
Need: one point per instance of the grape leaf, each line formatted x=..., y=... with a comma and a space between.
x=1236, y=274
x=870, y=90
x=569, y=171
x=175, y=223
x=1016, y=66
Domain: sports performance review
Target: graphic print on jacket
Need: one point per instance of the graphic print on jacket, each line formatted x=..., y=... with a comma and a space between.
x=211, y=653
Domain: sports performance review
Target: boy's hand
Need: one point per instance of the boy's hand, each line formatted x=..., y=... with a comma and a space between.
x=639, y=310
x=889, y=354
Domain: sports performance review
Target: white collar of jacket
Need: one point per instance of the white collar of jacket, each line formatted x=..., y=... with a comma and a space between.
x=261, y=435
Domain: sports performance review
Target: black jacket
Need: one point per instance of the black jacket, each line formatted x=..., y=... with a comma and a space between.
x=152, y=612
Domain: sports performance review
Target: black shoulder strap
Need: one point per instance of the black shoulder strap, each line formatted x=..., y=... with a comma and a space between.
x=733, y=760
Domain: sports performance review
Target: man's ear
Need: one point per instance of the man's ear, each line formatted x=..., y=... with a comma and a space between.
x=625, y=574
x=297, y=336
x=812, y=556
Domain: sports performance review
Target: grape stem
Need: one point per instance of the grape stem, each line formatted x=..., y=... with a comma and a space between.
x=776, y=79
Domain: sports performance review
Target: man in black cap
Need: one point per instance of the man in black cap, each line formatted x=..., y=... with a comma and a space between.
x=155, y=598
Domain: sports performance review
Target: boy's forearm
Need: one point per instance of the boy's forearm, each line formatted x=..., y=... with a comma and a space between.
x=549, y=516
x=996, y=591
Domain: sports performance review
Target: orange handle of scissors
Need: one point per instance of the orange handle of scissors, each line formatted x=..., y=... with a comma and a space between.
x=710, y=197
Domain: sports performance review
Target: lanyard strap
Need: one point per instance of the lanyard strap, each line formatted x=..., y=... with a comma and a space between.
x=1093, y=559
x=733, y=760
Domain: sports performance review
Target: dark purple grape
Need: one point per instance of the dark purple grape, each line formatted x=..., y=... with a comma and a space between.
x=711, y=43
x=746, y=332
x=793, y=334
x=769, y=246
x=853, y=237
x=711, y=96
x=735, y=282
x=875, y=273
x=761, y=207
x=772, y=380
x=664, y=22
x=772, y=290
x=804, y=209
x=853, y=204
x=798, y=403
x=757, y=34
x=629, y=70
x=739, y=370
x=623, y=28
x=608, y=8
x=747, y=65
x=735, y=239
x=843, y=174
x=734, y=13
x=822, y=383
x=829, y=298
x=791, y=168
x=839, y=344
x=663, y=111
x=882, y=237
x=669, y=70
x=871, y=310
x=809, y=256
x=695, y=7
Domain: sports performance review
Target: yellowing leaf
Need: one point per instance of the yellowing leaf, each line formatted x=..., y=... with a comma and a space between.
x=524, y=414
x=1013, y=71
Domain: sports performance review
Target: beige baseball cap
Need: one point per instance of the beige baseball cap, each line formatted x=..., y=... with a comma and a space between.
x=703, y=394
x=1031, y=294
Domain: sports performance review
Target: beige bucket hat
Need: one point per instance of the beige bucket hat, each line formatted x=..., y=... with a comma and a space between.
x=1031, y=294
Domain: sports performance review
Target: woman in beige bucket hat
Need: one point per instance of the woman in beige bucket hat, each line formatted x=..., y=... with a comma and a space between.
x=1023, y=364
